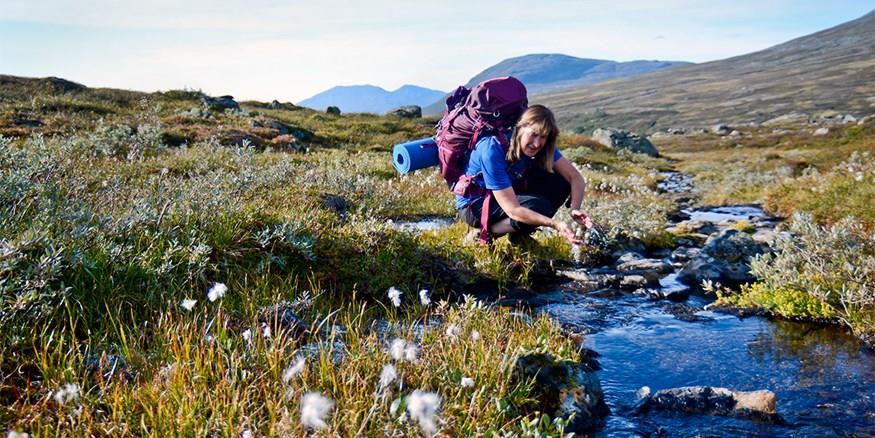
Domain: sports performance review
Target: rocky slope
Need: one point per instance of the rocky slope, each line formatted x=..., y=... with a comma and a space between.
x=829, y=70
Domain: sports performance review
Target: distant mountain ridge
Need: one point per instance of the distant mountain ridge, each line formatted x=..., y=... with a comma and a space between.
x=546, y=72
x=833, y=69
x=370, y=98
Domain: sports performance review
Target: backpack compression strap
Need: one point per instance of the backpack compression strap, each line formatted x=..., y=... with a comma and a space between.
x=484, y=210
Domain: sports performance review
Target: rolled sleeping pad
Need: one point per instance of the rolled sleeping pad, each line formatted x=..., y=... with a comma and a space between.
x=415, y=155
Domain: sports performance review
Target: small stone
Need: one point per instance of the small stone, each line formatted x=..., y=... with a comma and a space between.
x=821, y=131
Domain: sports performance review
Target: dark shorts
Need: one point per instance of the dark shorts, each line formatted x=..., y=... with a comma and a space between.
x=539, y=191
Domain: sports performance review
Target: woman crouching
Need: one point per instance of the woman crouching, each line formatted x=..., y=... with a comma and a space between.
x=526, y=184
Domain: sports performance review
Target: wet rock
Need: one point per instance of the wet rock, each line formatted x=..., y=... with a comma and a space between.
x=565, y=388
x=725, y=259
x=633, y=282
x=694, y=227
x=684, y=254
x=708, y=400
x=650, y=265
x=284, y=317
x=622, y=139
x=220, y=103
x=332, y=110
x=628, y=257
x=589, y=280
x=677, y=216
x=685, y=312
x=406, y=112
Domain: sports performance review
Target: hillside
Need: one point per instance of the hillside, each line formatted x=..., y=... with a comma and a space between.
x=371, y=99
x=829, y=70
x=547, y=72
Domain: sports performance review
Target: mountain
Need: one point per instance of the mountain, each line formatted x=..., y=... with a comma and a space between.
x=832, y=69
x=371, y=99
x=546, y=72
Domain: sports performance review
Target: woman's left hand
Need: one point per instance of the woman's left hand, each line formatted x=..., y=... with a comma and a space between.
x=582, y=218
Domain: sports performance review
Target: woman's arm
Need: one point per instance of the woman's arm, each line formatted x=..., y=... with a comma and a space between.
x=575, y=179
x=508, y=202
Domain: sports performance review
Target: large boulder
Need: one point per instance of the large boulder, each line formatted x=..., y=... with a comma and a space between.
x=724, y=259
x=220, y=103
x=406, y=112
x=565, y=388
x=622, y=139
x=708, y=400
x=332, y=110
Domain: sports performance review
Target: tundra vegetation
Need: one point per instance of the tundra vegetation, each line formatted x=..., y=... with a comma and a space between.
x=145, y=238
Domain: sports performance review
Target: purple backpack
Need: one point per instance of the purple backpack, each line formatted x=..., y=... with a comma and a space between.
x=492, y=108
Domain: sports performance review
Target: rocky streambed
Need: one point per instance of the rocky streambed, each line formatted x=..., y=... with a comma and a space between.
x=645, y=322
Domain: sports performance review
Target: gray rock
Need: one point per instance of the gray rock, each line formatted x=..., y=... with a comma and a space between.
x=786, y=118
x=848, y=118
x=284, y=317
x=725, y=259
x=332, y=110
x=821, y=131
x=721, y=129
x=335, y=203
x=684, y=254
x=566, y=388
x=653, y=265
x=274, y=104
x=735, y=133
x=633, y=282
x=406, y=112
x=864, y=120
x=103, y=367
x=707, y=400
x=220, y=103
x=622, y=139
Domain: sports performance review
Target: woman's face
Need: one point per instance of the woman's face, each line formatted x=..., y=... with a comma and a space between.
x=532, y=140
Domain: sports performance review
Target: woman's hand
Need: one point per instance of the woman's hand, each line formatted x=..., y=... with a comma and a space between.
x=582, y=218
x=566, y=232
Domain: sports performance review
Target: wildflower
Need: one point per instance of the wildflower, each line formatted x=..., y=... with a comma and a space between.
x=314, y=408
x=388, y=375
x=453, y=331
x=247, y=335
x=188, y=304
x=17, y=434
x=411, y=352
x=246, y=434
x=395, y=296
x=294, y=369
x=67, y=393
x=423, y=297
x=422, y=406
x=475, y=336
x=467, y=382
x=396, y=349
x=217, y=291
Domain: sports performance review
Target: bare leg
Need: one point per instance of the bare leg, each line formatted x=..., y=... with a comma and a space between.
x=501, y=227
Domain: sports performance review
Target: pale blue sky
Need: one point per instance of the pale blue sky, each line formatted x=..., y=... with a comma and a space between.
x=290, y=50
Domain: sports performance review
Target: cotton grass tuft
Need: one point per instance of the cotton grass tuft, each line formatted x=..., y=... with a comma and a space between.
x=216, y=291
x=394, y=295
x=314, y=408
x=423, y=407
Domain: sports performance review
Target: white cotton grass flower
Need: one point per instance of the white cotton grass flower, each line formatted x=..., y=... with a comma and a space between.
x=314, y=408
x=453, y=331
x=411, y=352
x=422, y=407
x=394, y=295
x=294, y=370
x=424, y=298
x=188, y=304
x=17, y=434
x=68, y=393
x=265, y=331
x=396, y=349
x=216, y=291
x=466, y=382
x=247, y=434
x=388, y=375
x=475, y=335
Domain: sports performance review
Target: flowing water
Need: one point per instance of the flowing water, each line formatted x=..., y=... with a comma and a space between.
x=823, y=377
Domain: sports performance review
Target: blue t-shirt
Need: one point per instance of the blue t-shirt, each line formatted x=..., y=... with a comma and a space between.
x=488, y=160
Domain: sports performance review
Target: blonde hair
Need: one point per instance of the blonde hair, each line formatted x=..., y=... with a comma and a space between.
x=539, y=118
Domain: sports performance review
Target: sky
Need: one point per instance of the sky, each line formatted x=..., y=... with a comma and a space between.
x=290, y=50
